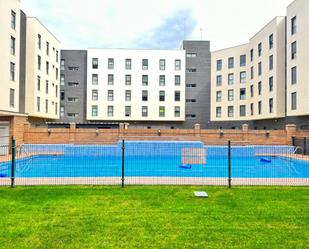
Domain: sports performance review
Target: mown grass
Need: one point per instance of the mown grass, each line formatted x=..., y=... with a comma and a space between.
x=154, y=217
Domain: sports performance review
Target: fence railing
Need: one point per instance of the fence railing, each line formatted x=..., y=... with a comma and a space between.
x=153, y=162
x=302, y=143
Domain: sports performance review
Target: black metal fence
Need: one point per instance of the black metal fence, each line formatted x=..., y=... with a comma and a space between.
x=302, y=145
x=152, y=162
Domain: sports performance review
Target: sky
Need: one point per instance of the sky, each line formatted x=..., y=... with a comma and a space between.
x=153, y=24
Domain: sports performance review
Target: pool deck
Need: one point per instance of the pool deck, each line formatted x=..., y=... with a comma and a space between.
x=157, y=181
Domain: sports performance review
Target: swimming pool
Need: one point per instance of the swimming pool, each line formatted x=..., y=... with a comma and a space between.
x=155, y=159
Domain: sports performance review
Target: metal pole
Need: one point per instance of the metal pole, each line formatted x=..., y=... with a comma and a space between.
x=305, y=146
x=229, y=164
x=293, y=141
x=122, y=171
x=13, y=163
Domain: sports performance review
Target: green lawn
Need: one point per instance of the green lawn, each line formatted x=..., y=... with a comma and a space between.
x=154, y=217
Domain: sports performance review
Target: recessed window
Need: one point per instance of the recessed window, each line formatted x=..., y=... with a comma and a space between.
x=39, y=62
x=260, y=68
x=62, y=64
x=94, y=111
x=190, y=85
x=73, y=115
x=260, y=88
x=219, y=65
x=260, y=107
x=39, y=83
x=12, y=97
x=110, y=79
x=57, y=73
x=231, y=62
x=191, y=55
x=46, y=106
x=13, y=41
x=177, y=111
x=252, y=109
x=293, y=50
x=219, y=80
x=218, y=96
x=293, y=75
x=94, y=95
x=144, y=95
x=145, y=64
x=177, y=65
x=191, y=70
x=47, y=67
x=144, y=111
x=230, y=95
x=177, y=96
x=73, y=84
x=294, y=101
x=95, y=79
x=190, y=116
x=110, y=63
x=271, y=62
x=46, y=86
x=128, y=64
x=145, y=80
x=190, y=100
x=242, y=93
x=177, y=80
x=128, y=95
x=271, y=105
x=251, y=55
x=162, y=64
x=271, y=41
x=242, y=110
x=62, y=112
x=271, y=84
x=13, y=20
x=161, y=96
x=39, y=41
x=230, y=111
x=218, y=112
x=243, y=60
x=243, y=77
x=128, y=79
x=251, y=91
x=95, y=63
x=230, y=78
x=56, y=90
x=47, y=48
x=38, y=104
x=73, y=68
x=252, y=73
x=62, y=79
x=110, y=95
x=12, y=71
x=57, y=56
x=162, y=80
x=260, y=49
x=127, y=111
x=72, y=99
x=110, y=111
x=293, y=25
x=161, y=111
x=62, y=95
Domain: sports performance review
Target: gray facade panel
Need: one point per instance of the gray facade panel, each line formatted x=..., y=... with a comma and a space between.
x=76, y=59
x=22, y=62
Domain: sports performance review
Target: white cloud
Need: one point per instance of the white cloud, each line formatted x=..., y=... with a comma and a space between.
x=122, y=23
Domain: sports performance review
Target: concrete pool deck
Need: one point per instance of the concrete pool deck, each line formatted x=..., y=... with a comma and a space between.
x=156, y=181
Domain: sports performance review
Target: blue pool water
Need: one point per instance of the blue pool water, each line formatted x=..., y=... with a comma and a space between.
x=165, y=159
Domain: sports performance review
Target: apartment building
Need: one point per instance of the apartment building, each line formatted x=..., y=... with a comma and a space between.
x=43, y=71
x=73, y=86
x=136, y=86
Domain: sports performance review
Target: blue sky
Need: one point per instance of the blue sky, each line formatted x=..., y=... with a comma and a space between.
x=81, y=24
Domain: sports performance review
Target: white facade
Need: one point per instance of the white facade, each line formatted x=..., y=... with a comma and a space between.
x=42, y=71
x=124, y=88
x=9, y=54
x=261, y=92
x=298, y=62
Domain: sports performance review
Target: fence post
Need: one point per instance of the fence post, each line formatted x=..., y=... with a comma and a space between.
x=229, y=164
x=305, y=146
x=293, y=141
x=122, y=170
x=13, y=163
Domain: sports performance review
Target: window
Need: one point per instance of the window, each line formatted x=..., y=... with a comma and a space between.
x=293, y=101
x=219, y=80
x=47, y=48
x=271, y=62
x=177, y=65
x=46, y=86
x=190, y=85
x=73, y=115
x=38, y=104
x=110, y=63
x=243, y=60
x=94, y=95
x=260, y=68
x=230, y=78
x=12, y=97
x=57, y=56
x=271, y=105
x=252, y=72
x=162, y=80
x=242, y=110
x=128, y=95
x=57, y=73
x=219, y=65
x=56, y=90
x=177, y=111
x=110, y=111
x=251, y=54
x=162, y=64
x=61, y=111
x=95, y=63
x=190, y=116
x=191, y=70
x=177, y=96
x=62, y=64
x=294, y=75
x=128, y=64
x=110, y=79
x=218, y=112
x=39, y=83
x=251, y=91
x=293, y=50
x=62, y=95
x=47, y=67
x=144, y=111
x=127, y=111
x=242, y=93
x=190, y=100
x=13, y=20
x=39, y=62
x=145, y=80
x=128, y=79
x=94, y=111
x=72, y=99
x=177, y=80
x=260, y=88
x=252, y=109
x=13, y=45
x=73, y=68
x=39, y=41
x=271, y=41
x=46, y=105
x=218, y=96
x=110, y=95
x=161, y=96
x=145, y=64
x=293, y=25
x=231, y=62
x=144, y=95
x=243, y=77
x=12, y=71
x=95, y=79
x=230, y=95
x=161, y=111
x=271, y=84
x=191, y=55
x=260, y=49
x=230, y=111
x=260, y=107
